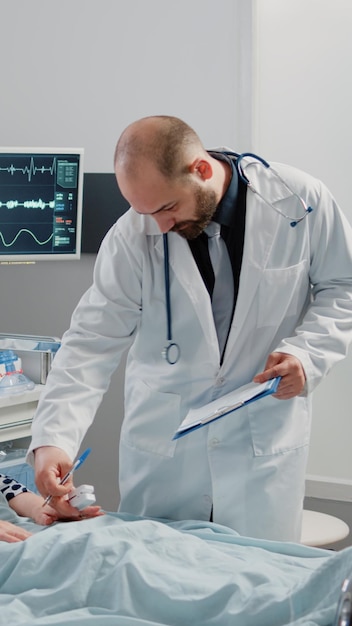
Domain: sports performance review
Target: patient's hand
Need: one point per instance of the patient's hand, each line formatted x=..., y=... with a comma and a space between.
x=46, y=515
x=64, y=511
x=29, y=504
x=12, y=533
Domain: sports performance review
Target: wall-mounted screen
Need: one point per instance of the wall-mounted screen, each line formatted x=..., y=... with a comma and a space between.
x=41, y=193
x=103, y=204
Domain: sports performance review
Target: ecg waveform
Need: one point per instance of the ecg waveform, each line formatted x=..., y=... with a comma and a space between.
x=30, y=170
x=28, y=204
x=39, y=196
x=24, y=230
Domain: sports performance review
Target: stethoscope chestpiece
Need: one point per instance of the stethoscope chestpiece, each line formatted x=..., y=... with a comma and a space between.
x=171, y=353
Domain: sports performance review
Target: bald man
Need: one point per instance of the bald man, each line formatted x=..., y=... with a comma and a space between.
x=207, y=286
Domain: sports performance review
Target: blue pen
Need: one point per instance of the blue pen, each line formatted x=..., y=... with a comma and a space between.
x=75, y=466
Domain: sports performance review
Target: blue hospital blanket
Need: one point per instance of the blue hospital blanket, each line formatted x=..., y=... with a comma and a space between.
x=120, y=570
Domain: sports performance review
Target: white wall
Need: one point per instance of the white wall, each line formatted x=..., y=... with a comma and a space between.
x=75, y=73
x=302, y=115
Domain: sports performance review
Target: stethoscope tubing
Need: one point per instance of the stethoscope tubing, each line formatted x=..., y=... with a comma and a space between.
x=171, y=352
x=167, y=286
x=238, y=163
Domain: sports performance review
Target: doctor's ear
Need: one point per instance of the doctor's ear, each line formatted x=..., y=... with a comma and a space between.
x=202, y=168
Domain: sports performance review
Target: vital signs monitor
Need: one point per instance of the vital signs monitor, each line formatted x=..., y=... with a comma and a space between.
x=40, y=203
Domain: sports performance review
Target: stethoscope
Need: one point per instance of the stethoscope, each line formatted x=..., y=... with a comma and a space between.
x=171, y=352
x=238, y=163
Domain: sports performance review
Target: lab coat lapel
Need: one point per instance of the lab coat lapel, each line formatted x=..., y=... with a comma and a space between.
x=262, y=223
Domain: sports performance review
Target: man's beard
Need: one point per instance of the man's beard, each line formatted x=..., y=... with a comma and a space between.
x=205, y=208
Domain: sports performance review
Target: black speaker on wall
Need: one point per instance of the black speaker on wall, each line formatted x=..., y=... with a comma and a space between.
x=103, y=204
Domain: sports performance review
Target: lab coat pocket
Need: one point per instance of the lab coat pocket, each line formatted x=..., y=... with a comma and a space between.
x=278, y=426
x=282, y=293
x=152, y=420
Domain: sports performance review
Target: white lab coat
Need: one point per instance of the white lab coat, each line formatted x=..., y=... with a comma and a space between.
x=295, y=296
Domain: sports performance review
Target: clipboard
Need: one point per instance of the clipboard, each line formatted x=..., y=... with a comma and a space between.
x=197, y=418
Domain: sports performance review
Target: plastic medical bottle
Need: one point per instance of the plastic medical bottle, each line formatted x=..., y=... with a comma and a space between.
x=12, y=378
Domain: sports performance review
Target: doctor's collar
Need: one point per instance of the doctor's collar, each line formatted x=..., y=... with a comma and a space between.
x=228, y=203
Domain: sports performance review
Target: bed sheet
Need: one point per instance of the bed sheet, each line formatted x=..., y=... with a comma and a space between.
x=120, y=570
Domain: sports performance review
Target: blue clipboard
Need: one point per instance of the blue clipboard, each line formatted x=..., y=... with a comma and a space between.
x=197, y=418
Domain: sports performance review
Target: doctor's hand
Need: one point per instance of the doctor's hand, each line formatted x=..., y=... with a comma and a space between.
x=51, y=464
x=291, y=371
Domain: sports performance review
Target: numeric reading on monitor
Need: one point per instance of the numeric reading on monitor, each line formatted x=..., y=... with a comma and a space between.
x=40, y=203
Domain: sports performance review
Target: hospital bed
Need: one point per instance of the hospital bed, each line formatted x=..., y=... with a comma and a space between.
x=120, y=570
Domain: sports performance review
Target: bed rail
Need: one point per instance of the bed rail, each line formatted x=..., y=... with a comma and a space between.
x=344, y=608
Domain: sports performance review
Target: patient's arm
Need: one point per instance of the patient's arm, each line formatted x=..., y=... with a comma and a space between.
x=12, y=533
x=29, y=504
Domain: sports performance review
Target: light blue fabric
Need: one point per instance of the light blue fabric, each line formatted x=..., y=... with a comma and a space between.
x=119, y=570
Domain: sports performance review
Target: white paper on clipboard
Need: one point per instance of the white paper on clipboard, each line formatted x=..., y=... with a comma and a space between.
x=196, y=418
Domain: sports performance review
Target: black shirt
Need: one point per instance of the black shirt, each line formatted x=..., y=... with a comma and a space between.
x=231, y=214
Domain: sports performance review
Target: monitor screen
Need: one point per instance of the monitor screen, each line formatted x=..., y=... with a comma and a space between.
x=40, y=203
